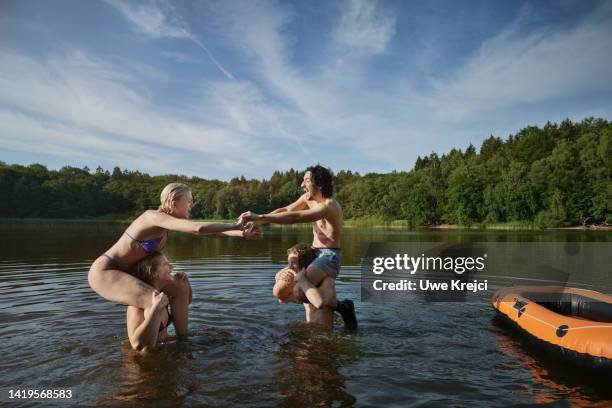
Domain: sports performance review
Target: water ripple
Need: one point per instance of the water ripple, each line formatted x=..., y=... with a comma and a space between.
x=245, y=348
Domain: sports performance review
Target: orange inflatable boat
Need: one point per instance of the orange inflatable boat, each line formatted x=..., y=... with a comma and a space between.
x=575, y=323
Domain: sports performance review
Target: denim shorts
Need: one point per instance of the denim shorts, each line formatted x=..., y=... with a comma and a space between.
x=328, y=260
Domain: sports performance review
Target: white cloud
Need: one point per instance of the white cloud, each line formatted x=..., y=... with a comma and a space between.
x=267, y=48
x=88, y=96
x=364, y=29
x=332, y=108
x=512, y=69
x=151, y=20
x=42, y=136
x=286, y=113
x=180, y=57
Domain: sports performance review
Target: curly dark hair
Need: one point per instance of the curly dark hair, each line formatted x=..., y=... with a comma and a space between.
x=322, y=178
x=305, y=254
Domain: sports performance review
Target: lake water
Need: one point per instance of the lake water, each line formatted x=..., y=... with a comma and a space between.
x=246, y=349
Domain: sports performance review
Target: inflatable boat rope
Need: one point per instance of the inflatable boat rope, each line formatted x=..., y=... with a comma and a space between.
x=565, y=329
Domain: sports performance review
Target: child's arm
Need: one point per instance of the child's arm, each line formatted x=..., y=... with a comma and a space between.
x=143, y=329
x=319, y=297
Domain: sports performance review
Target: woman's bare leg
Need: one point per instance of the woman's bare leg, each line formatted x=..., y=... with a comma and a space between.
x=118, y=286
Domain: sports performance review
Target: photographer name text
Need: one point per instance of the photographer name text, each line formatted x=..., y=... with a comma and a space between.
x=427, y=285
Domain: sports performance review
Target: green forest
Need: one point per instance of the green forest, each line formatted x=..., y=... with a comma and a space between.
x=558, y=175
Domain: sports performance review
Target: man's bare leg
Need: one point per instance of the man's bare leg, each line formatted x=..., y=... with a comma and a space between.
x=345, y=308
x=315, y=275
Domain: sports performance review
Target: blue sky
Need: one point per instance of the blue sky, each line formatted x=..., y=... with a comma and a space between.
x=220, y=89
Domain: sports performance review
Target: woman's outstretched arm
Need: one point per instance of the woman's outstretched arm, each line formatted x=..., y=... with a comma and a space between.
x=171, y=223
x=251, y=231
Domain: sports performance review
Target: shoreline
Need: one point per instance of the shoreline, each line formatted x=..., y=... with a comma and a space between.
x=511, y=226
x=397, y=224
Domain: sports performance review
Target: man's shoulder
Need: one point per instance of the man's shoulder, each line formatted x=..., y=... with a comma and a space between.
x=332, y=203
x=329, y=203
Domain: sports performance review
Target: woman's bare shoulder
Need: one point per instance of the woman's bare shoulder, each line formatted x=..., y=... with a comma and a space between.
x=151, y=213
x=152, y=218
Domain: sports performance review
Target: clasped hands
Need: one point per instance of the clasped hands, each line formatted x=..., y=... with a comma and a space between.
x=248, y=217
x=250, y=229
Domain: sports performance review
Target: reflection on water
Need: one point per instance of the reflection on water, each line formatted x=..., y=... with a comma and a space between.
x=549, y=379
x=139, y=377
x=245, y=348
x=309, y=368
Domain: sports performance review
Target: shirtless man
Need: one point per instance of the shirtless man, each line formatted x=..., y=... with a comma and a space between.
x=316, y=205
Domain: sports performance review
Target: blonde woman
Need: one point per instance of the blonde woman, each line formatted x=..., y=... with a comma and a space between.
x=109, y=275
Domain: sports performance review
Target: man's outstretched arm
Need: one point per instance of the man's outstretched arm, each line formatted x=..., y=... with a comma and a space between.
x=297, y=205
x=288, y=217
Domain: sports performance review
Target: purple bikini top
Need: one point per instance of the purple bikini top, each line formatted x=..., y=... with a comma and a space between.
x=148, y=245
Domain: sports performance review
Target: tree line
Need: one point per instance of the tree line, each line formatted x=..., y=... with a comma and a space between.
x=557, y=175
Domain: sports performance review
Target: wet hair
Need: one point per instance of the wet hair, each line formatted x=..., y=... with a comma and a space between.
x=322, y=178
x=170, y=193
x=305, y=254
x=146, y=267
